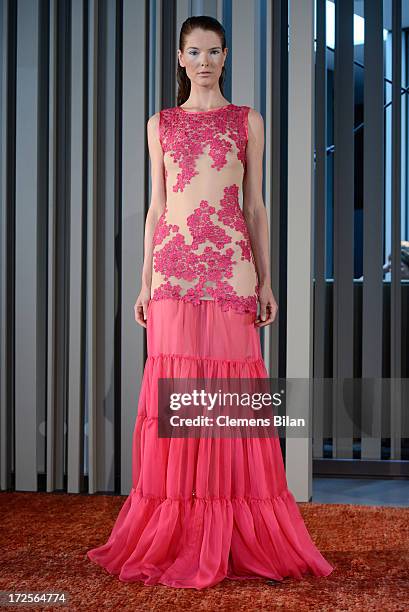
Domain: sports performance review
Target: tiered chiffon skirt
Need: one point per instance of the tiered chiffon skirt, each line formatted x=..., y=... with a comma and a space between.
x=204, y=509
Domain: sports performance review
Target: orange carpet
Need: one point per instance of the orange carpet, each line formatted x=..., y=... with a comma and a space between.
x=44, y=538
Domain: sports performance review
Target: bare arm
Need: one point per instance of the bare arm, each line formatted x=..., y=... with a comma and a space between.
x=156, y=208
x=255, y=215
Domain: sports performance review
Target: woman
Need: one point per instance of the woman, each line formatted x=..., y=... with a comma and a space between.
x=203, y=509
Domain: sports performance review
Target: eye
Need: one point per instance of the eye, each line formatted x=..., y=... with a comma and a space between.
x=213, y=51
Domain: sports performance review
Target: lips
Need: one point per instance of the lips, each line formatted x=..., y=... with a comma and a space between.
x=205, y=73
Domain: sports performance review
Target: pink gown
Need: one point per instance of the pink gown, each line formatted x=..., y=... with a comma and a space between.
x=201, y=510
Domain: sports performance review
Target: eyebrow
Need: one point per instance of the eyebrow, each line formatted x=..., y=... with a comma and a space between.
x=211, y=48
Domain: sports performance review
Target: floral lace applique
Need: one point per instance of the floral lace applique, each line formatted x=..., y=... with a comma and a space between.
x=185, y=135
x=203, y=229
x=245, y=249
x=230, y=212
x=218, y=265
x=167, y=291
x=177, y=259
x=223, y=294
x=208, y=255
x=227, y=297
x=163, y=229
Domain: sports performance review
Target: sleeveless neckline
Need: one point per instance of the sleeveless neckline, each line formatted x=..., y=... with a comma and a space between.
x=211, y=110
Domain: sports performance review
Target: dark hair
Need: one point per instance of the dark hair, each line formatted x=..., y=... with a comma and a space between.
x=205, y=23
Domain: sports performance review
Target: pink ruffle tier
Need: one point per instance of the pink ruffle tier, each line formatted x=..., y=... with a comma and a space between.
x=201, y=510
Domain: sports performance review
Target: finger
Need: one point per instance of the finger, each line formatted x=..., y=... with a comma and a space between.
x=271, y=313
x=140, y=315
x=145, y=310
x=263, y=323
x=263, y=311
x=268, y=321
x=141, y=321
x=136, y=311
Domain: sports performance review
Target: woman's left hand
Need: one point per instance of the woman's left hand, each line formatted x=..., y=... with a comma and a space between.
x=268, y=306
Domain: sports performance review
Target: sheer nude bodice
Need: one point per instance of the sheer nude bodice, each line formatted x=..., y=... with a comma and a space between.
x=201, y=243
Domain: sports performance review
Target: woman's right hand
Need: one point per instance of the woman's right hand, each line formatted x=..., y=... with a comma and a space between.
x=141, y=306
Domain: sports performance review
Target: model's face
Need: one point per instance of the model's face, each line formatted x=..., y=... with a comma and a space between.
x=203, y=57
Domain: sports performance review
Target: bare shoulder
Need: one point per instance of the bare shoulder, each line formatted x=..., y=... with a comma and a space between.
x=153, y=121
x=152, y=128
x=255, y=121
